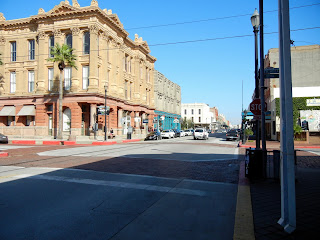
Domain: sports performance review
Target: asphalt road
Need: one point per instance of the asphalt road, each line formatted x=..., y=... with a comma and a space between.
x=169, y=189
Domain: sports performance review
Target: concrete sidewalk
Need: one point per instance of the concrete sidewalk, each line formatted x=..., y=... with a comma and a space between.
x=266, y=198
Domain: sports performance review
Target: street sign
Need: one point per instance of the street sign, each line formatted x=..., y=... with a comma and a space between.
x=176, y=121
x=271, y=73
x=145, y=121
x=255, y=107
x=101, y=110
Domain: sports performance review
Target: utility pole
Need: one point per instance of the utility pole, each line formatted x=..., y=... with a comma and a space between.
x=262, y=88
x=288, y=195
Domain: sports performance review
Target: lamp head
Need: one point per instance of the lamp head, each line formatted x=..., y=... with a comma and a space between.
x=255, y=19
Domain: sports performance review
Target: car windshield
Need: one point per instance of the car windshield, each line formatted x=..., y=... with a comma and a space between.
x=165, y=130
x=232, y=131
x=199, y=130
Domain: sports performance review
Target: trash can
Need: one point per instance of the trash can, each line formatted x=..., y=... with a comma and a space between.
x=255, y=168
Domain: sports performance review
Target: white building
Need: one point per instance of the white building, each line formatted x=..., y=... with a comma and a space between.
x=198, y=113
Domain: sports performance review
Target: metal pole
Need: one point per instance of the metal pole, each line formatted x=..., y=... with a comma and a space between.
x=288, y=202
x=105, y=114
x=60, y=106
x=262, y=100
x=256, y=30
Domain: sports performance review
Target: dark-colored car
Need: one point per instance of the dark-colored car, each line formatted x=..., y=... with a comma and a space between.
x=3, y=138
x=155, y=135
x=233, y=134
x=177, y=133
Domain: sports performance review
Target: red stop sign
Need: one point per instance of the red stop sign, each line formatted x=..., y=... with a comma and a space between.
x=255, y=107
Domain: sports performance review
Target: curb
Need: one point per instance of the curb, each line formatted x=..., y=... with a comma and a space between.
x=27, y=142
x=243, y=225
x=131, y=140
x=104, y=143
x=4, y=154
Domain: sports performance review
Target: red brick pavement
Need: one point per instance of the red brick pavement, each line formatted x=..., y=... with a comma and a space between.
x=220, y=171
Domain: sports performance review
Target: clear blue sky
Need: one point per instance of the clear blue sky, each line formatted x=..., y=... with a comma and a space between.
x=208, y=71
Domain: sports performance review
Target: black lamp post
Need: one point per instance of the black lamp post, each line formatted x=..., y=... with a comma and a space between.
x=255, y=21
x=105, y=112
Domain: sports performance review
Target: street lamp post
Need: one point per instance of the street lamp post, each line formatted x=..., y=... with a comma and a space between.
x=255, y=21
x=105, y=112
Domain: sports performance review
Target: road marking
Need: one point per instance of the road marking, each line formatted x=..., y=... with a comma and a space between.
x=137, y=186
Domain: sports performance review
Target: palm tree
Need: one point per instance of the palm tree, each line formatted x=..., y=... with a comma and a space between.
x=64, y=57
x=1, y=61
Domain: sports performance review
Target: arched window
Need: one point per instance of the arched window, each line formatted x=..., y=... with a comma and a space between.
x=86, y=43
x=69, y=40
x=66, y=119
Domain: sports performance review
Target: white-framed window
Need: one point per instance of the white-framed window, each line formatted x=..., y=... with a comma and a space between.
x=51, y=45
x=199, y=111
x=185, y=111
x=31, y=81
x=199, y=119
x=192, y=111
x=12, y=82
x=31, y=49
x=68, y=40
x=86, y=43
x=67, y=78
x=13, y=51
x=50, y=79
x=85, y=77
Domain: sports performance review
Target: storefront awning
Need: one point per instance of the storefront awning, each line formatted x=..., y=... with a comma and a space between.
x=28, y=110
x=8, y=111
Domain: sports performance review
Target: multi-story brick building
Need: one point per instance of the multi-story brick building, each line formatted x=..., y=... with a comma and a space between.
x=167, y=101
x=106, y=56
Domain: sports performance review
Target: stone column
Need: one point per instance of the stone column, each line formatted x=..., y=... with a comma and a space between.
x=120, y=115
x=76, y=74
x=138, y=130
x=2, y=48
x=93, y=113
x=93, y=72
x=42, y=69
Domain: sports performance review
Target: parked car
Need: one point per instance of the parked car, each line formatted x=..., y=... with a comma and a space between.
x=155, y=135
x=182, y=133
x=201, y=133
x=233, y=134
x=177, y=133
x=3, y=138
x=188, y=132
x=167, y=133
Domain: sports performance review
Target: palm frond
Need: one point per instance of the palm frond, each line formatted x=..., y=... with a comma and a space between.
x=63, y=55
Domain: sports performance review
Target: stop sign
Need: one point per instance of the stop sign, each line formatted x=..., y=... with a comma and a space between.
x=255, y=107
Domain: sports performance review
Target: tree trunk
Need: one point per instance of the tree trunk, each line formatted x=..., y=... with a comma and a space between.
x=60, y=106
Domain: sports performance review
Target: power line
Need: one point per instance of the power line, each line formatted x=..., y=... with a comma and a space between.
x=182, y=42
x=214, y=19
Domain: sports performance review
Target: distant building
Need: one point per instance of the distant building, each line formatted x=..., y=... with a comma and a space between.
x=215, y=123
x=305, y=64
x=106, y=56
x=199, y=114
x=167, y=96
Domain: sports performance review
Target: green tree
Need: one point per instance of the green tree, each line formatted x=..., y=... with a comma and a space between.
x=64, y=57
x=1, y=61
x=187, y=123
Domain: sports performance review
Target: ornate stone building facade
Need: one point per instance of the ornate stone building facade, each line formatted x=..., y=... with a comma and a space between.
x=167, y=101
x=106, y=57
